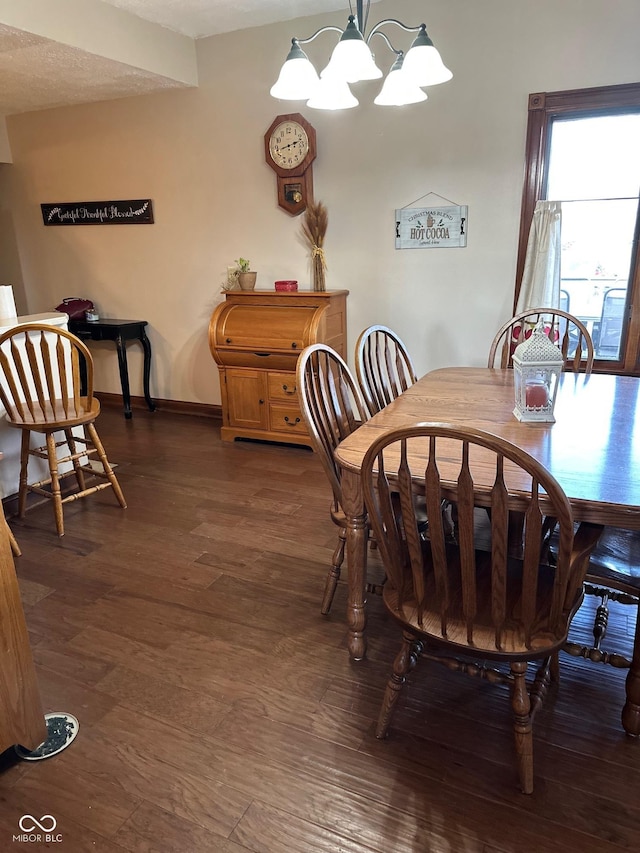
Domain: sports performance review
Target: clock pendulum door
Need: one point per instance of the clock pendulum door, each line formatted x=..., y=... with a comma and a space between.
x=295, y=192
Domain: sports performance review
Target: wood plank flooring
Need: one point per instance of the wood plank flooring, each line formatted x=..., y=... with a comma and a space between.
x=219, y=711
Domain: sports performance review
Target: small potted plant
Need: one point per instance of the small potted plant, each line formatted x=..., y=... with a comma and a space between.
x=246, y=277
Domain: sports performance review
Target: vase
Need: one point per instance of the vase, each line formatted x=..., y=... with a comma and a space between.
x=247, y=280
x=317, y=269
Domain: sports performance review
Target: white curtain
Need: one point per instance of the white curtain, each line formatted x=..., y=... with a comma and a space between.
x=541, y=277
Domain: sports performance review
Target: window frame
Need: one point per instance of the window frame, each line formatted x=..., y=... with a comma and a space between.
x=544, y=108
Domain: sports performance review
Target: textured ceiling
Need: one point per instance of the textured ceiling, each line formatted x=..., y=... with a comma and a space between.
x=39, y=73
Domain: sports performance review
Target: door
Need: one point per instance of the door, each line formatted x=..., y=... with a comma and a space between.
x=247, y=398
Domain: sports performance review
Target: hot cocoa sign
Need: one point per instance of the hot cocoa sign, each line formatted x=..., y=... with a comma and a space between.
x=431, y=227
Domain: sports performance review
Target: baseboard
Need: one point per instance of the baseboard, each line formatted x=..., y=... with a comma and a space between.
x=176, y=407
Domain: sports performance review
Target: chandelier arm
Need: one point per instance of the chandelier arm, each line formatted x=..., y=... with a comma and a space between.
x=389, y=45
x=328, y=28
x=398, y=24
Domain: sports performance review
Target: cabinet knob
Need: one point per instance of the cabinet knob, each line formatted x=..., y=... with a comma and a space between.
x=290, y=391
x=291, y=423
x=294, y=345
x=261, y=402
x=227, y=340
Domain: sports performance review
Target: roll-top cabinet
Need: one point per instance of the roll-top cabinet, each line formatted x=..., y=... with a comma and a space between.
x=255, y=338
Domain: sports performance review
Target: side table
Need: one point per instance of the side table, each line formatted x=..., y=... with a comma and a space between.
x=119, y=331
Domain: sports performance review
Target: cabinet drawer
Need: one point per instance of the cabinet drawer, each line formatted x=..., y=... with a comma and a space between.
x=282, y=386
x=261, y=359
x=283, y=418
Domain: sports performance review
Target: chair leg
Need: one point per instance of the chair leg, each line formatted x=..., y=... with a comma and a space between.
x=93, y=435
x=554, y=667
x=24, y=463
x=405, y=661
x=631, y=710
x=522, y=726
x=15, y=548
x=333, y=575
x=52, y=456
x=76, y=462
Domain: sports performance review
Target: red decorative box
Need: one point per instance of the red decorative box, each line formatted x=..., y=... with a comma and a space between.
x=286, y=285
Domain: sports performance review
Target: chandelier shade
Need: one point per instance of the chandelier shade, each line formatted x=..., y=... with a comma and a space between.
x=298, y=79
x=398, y=89
x=332, y=94
x=424, y=64
x=352, y=61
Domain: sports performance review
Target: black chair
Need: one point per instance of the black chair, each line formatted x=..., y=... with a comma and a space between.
x=614, y=576
x=611, y=320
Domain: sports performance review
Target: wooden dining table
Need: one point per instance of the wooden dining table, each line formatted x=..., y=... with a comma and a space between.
x=592, y=449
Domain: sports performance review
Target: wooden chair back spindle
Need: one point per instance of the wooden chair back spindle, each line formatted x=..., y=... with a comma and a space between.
x=383, y=367
x=331, y=405
x=469, y=592
x=41, y=374
x=566, y=331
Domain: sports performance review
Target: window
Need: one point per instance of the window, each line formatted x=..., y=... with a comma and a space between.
x=583, y=149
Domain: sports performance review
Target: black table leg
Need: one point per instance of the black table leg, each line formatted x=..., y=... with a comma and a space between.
x=82, y=364
x=118, y=331
x=146, y=345
x=124, y=375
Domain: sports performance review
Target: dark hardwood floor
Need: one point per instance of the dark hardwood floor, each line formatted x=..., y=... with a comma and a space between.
x=219, y=711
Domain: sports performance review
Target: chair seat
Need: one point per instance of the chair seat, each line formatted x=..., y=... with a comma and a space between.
x=52, y=415
x=616, y=560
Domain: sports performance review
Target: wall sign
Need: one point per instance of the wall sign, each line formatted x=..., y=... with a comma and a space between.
x=138, y=211
x=431, y=227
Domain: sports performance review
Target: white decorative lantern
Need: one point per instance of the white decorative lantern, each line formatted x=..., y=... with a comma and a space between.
x=537, y=365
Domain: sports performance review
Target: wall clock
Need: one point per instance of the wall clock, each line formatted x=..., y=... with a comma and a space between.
x=290, y=149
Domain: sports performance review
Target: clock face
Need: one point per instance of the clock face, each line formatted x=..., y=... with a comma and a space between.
x=288, y=144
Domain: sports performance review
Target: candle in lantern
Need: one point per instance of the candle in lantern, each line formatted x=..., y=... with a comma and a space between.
x=537, y=394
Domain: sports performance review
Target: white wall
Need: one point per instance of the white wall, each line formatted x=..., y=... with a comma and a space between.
x=199, y=155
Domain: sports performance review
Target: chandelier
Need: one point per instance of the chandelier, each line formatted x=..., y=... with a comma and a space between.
x=353, y=61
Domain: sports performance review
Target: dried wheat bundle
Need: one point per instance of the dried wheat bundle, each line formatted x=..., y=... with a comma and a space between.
x=314, y=228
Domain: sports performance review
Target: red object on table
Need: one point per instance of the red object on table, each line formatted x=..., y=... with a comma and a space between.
x=287, y=285
x=537, y=394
